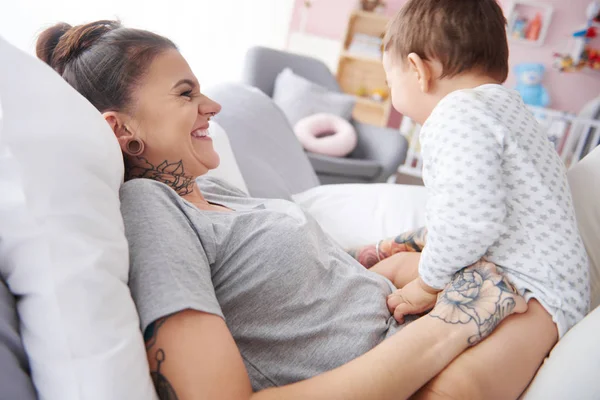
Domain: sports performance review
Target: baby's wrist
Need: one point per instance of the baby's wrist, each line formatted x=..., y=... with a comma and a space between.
x=426, y=287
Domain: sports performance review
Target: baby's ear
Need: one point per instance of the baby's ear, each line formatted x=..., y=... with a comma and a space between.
x=422, y=70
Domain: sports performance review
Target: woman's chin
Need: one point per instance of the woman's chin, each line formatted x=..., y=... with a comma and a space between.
x=212, y=162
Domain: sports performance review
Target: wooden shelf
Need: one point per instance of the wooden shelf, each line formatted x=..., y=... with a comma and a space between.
x=358, y=72
x=379, y=18
x=365, y=101
x=360, y=57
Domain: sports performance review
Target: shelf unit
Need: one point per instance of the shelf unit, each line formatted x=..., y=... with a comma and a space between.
x=514, y=11
x=358, y=71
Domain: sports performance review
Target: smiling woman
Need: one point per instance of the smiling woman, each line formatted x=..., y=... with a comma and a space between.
x=163, y=132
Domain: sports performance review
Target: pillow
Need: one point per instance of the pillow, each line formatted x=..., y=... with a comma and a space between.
x=228, y=168
x=14, y=379
x=299, y=98
x=584, y=180
x=326, y=134
x=62, y=243
x=359, y=214
x=571, y=370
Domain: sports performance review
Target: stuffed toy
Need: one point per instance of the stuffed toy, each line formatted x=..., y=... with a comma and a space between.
x=529, y=84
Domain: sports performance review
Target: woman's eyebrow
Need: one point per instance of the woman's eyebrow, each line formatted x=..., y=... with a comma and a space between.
x=185, y=82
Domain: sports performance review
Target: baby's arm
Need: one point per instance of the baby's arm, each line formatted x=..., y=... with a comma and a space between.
x=466, y=207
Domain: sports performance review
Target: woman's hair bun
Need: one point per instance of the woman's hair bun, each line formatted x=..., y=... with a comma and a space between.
x=62, y=43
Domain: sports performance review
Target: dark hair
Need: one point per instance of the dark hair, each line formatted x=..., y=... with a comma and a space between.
x=464, y=35
x=102, y=60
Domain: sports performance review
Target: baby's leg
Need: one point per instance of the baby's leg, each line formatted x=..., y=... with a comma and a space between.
x=501, y=366
x=400, y=268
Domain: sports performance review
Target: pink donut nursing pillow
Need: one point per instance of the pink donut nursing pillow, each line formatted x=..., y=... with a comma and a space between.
x=326, y=134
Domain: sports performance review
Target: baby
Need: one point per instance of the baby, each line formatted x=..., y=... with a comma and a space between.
x=497, y=189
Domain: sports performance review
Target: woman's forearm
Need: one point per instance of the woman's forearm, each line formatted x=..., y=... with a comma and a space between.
x=395, y=369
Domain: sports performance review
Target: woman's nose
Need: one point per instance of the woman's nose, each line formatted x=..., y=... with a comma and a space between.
x=209, y=107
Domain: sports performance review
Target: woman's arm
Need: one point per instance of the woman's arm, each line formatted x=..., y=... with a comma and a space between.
x=192, y=354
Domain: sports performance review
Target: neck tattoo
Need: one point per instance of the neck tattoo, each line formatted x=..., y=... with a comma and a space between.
x=171, y=174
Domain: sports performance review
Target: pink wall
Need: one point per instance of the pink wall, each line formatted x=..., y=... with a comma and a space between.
x=569, y=91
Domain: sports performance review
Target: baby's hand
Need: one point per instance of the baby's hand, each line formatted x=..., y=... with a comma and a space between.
x=411, y=299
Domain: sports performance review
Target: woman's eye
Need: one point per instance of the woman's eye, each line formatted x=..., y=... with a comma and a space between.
x=187, y=93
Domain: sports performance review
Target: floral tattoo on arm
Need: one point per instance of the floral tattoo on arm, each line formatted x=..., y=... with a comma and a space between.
x=413, y=241
x=476, y=295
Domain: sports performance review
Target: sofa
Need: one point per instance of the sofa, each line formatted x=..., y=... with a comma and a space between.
x=379, y=151
x=74, y=334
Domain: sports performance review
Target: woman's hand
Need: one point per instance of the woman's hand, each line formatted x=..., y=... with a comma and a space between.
x=480, y=297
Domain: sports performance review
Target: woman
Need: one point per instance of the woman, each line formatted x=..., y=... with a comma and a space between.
x=236, y=294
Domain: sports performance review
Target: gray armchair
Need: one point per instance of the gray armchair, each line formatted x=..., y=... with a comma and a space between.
x=380, y=151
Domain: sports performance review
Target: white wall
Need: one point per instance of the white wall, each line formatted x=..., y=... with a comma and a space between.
x=212, y=34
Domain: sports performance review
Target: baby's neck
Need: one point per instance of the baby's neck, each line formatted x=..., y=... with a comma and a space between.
x=445, y=86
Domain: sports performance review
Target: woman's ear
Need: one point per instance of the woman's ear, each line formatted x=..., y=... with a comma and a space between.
x=422, y=70
x=117, y=124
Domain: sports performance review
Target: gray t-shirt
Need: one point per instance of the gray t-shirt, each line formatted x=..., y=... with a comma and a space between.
x=296, y=304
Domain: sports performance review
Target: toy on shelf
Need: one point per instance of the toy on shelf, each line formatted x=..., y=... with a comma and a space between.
x=529, y=84
x=534, y=28
x=582, y=54
x=379, y=95
x=519, y=28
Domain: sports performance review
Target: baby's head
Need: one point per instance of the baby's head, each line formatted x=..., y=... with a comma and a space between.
x=433, y=47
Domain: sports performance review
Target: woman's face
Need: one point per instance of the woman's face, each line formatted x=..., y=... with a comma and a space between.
x=170, y=115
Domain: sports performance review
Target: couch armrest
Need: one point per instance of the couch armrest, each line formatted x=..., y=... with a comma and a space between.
x=348, y=167
x=385, y=145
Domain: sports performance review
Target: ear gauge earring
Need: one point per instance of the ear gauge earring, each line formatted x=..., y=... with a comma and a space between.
x=134, y=147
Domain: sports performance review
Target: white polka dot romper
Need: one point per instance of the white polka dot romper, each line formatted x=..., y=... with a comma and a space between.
x=498, y=190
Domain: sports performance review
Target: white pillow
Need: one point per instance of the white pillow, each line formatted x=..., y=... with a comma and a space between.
x=359, y=214
x=228, y=169
x=584, y=180
x=62, y=244
x=571, y=371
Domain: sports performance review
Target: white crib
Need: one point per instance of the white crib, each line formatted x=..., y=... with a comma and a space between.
x=572, y=137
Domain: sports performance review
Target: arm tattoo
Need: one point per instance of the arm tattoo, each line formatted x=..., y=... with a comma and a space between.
x=413, y=241
x=163, y=387
x=475, y=295
x=170, y=173
x=152, y=331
